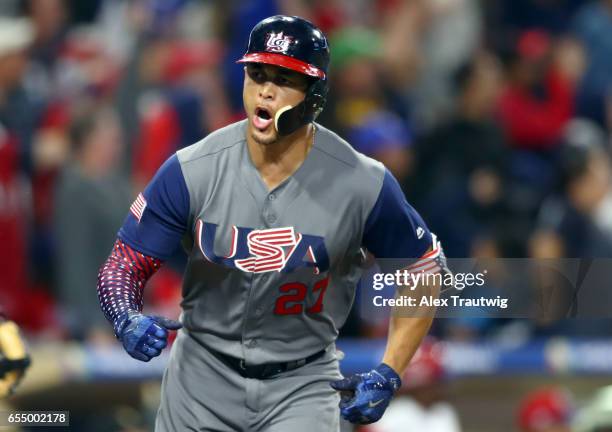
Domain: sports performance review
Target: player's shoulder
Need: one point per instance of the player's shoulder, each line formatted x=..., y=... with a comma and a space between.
x=214, y=143
x=338, y=151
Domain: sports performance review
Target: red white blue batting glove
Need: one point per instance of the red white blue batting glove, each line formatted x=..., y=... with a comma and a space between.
x=366, y=396
x=144, y=336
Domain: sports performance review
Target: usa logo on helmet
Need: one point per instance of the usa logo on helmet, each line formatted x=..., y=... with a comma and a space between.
x=278, y=42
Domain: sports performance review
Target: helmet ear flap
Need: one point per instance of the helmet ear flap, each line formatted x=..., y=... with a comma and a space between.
x=315, y=99
x=288, y=120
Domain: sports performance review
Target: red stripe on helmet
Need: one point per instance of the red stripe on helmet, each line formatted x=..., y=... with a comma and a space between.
x=283, y=61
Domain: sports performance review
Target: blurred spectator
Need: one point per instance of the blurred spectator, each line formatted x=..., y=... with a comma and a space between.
x=576, y=222
x=184, y=102
x=82, y=69
x=597, y=415
x=546, y=410
x=18, y=116
x=539, y=98
x=361, y=107
x=593, y=26
x=50, y=19
x=421, y=404
x=329, y=15
x=9, y=7
x=385, y=137
x=355, y=79
x=510, y=17
x=90, y=204
x=460, y=181
x=19, y=112
x=15, y=37
x=424, y=43
x=534, y=108
x=581, y=216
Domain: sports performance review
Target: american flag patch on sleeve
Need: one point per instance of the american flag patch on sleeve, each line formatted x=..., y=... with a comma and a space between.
x=433, y=261
x=138, y=207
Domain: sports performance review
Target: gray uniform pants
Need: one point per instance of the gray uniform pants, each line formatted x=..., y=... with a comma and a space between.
x=201, y=393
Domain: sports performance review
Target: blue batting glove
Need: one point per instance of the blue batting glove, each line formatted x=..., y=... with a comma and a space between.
x=365, y=396
x=144, y=336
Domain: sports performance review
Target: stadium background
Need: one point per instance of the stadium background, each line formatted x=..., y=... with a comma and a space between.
x=495, y=116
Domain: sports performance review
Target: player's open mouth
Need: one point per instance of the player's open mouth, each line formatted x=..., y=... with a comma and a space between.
x=262, y=118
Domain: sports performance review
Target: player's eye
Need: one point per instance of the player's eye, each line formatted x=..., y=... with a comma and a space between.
x=256, y=75
x=283, y=81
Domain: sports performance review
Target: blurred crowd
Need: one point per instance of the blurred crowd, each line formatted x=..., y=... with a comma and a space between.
x=495, y=116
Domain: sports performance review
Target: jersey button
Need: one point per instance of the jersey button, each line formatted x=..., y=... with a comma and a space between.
x=271, y=218
x=272, y=197
x=252, y=343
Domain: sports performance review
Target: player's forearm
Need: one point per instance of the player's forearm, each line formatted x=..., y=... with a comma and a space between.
x=407, y=332
x=121, y=282
x=405, y=336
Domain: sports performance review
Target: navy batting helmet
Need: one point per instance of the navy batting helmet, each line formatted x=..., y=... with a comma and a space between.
x=293, y=43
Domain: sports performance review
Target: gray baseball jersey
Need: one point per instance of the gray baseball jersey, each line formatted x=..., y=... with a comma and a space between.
x=271, y=274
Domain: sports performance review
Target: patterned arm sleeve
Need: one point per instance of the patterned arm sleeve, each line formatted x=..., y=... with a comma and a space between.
x=121, y=282
x=150, y=233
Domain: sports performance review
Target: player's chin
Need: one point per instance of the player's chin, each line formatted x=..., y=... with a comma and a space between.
x=265, y=136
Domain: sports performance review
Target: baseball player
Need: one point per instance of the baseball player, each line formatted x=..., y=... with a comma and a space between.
x=274, y=212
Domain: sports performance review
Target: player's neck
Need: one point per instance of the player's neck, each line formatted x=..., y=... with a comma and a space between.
x=279, y=160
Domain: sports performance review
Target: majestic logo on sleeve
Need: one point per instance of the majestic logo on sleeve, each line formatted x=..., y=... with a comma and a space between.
x=278, y=42
x=268, y=250
x=420, y=232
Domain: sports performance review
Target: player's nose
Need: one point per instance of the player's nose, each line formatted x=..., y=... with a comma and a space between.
x=267, y=90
